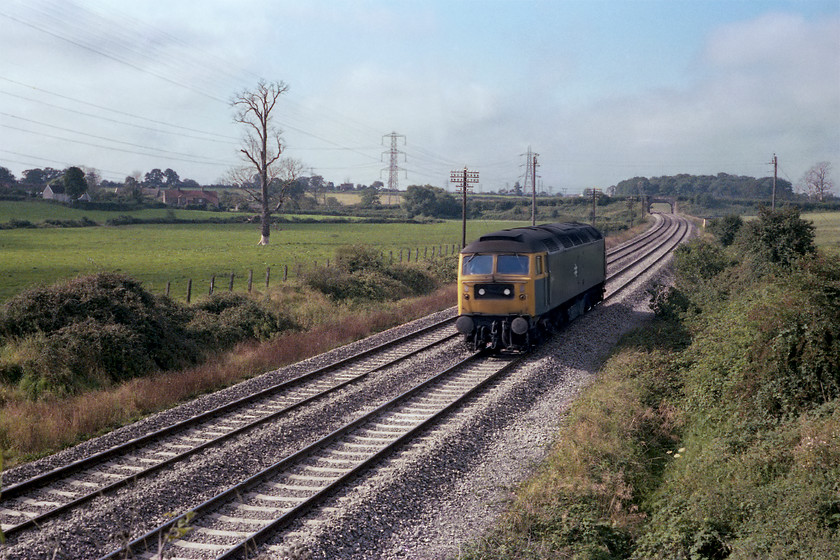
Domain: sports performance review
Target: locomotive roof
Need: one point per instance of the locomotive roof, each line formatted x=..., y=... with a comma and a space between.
x=546, y=237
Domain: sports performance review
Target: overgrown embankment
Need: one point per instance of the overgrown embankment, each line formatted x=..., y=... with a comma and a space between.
x=714, y=432
x=91, y=353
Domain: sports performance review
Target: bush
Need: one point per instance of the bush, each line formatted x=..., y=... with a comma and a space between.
x=361, y=274
x=97, y=330
x=225, y=319
x=726, y=228
x=778, y=237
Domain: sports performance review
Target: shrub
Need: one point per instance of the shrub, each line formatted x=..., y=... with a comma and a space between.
x=726, y=228
x=361, y=274
x=225, y=319
x=96, y=330
x=778, y=237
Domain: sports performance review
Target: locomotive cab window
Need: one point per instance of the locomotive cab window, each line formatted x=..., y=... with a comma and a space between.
x=539, y=262
x=478, y=264
x=512, y=264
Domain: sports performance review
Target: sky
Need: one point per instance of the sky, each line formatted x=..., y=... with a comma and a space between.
x=601, y=90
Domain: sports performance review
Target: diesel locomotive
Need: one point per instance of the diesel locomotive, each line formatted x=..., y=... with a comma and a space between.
x=516, y=284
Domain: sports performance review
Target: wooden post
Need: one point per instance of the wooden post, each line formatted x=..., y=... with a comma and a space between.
x=189, y=289
x=267, y=275
x=230, y=286
x=168, y=284
x=285, y=272
x=250, y=279
x=212, y=284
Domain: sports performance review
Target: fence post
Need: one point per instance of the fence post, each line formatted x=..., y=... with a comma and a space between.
x=267, y=275
x=168, y=284
x=409, y=255
x=285, y=272
x=425, y=253
x=230, y=286
x=189, y=289
x=250, y=279
x=212, y=284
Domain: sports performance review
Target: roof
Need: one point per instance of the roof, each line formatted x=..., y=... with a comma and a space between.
x=546, y=237
x=176, y=194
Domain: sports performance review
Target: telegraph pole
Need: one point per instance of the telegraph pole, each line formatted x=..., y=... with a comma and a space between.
x=464, y=181
x=775, y=163
x=393, y=168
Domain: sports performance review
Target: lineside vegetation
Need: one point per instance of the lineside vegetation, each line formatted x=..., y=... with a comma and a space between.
x=712, y=433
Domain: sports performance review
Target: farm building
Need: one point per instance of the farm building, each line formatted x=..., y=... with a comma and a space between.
x=178, y=197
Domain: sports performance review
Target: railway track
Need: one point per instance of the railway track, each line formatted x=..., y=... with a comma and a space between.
x=28, y=504
x=657, y=245
x=236, y=522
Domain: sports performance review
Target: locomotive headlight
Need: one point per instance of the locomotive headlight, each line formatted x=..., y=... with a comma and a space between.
x=507, y=291
x=481, y=291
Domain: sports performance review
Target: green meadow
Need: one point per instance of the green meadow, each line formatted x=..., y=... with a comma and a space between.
x=159, y=253
x=828, y=230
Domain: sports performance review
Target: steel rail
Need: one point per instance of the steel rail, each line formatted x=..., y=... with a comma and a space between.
x=682, y=230
x=247, y=545
x=36, y=483
x=628, y=246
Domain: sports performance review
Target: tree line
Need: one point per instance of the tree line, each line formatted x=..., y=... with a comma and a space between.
x=816, y=184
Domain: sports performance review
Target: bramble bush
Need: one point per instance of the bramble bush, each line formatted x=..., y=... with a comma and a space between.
x=93, y=331
x=362, y=274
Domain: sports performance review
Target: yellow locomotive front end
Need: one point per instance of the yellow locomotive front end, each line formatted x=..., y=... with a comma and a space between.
x=496, y=297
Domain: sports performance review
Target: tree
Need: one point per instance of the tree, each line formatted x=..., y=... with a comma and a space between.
x=370, y=198
x=171, y=178
x=7, y=178
x=74, y=181
x=154, y=178
x=93, y=177
x=817, y=182
x=40, y=176
x=262, y=147
x=430, y=201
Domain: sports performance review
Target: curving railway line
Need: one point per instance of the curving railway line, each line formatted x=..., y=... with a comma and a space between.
x=236, y=521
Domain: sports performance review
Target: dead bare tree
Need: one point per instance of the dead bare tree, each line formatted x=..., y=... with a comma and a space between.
x=817, y=181
x=267, y=176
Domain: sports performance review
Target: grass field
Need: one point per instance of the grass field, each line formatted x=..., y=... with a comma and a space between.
x=828, y=230
x=161, y=253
